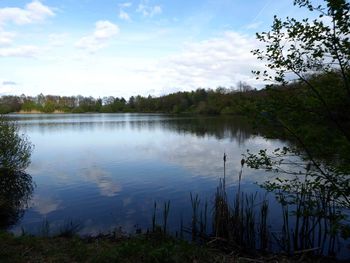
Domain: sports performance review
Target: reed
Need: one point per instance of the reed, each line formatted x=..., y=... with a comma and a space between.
x=181, y=228
x=154, y=217
x=263, y=227
x=195, y=202
x=244, y=223
x=311, y=220
x=70, y=228
x=44, y=229
x=203, y=220
x=165, y=216
x=161, y=228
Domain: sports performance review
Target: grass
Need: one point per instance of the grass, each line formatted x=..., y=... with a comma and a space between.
x=140, y=248
x=152, y=247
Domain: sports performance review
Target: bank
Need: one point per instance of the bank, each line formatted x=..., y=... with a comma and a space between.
x=139, y=248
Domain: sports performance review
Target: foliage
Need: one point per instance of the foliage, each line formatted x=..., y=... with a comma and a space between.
x=316, y=53
x=310, y=60
x=15, y=149
x=301, y=47
x=239, y=101
x=9, y=104
x=314, y=110
x=313, y=201
x=16, y=189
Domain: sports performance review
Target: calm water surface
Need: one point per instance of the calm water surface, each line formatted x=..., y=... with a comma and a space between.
x=107, y=170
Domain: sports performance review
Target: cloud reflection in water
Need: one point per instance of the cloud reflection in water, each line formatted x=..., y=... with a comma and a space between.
x=107, y=170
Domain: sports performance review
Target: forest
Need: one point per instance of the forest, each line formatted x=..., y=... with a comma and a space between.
x=200, y=101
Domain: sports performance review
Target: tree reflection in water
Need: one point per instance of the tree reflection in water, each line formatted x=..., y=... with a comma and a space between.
x=16, y=189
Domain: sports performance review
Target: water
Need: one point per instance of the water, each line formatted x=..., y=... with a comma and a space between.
x=107, y=170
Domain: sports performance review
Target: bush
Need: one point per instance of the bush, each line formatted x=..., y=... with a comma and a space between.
x=15, y=149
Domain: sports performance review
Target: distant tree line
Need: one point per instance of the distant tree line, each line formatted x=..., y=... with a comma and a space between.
x=238, y=101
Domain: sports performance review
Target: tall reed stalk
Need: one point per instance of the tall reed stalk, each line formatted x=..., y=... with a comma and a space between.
x=154, y=223
x=195, y=201
x=165, y=216
x=243, y=225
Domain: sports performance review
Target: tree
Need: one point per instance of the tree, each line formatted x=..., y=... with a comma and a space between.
x=16, y=189
x=15, y=149
x=316, y=54
x=243, y=87
x=310, y=60
x=300, y=48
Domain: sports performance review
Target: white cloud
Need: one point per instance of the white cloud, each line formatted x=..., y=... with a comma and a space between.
x=124, y=15
x=216, y=62
x=6, y=38
x=19, y=51
x=148, y=10
x=33, y=12
x=125, y=5
x=220, y=61
x=104, y=31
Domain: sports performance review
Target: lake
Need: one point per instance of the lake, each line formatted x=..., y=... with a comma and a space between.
x=107, y=170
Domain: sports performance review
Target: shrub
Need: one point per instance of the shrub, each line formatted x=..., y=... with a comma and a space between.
x=15, y=149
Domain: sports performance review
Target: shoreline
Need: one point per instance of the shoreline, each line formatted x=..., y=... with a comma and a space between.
x=38, y=112
x=147, y=247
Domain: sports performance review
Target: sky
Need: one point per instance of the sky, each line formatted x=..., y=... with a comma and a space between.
x=125, y=48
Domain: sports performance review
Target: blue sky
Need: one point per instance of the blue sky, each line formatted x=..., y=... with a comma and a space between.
x=124, y=48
